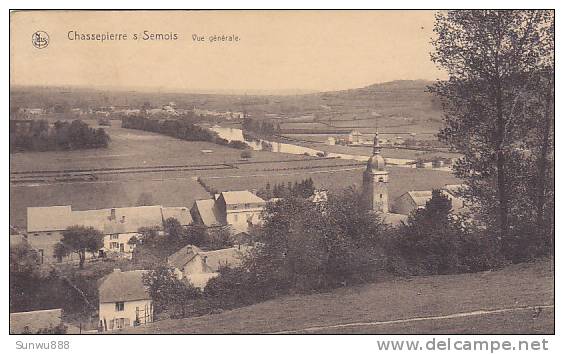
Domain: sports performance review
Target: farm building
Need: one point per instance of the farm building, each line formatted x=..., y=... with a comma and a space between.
x=45, y=225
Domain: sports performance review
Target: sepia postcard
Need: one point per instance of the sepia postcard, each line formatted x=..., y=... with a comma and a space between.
x=283, y=172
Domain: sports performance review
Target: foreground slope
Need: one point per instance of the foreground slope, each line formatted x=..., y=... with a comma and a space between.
x=517, y=299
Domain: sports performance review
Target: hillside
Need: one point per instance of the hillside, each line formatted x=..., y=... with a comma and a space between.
x=516, y=299
x=387, y=97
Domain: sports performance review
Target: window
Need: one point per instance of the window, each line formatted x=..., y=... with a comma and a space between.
x=380, y=196
x=120, y=306
x=114, y=236
x=114, y=245
x=247, y=206
x=48, y=234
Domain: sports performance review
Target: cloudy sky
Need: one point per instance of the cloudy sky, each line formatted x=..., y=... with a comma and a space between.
x=277, y=51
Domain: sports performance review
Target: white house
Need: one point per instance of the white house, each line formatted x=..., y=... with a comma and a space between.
x=238, y=209
x=124, y=301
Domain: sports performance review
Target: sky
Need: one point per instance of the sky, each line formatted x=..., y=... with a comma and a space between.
x=276, y=51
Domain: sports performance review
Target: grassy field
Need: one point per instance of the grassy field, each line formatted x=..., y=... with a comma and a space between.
x=333, y=178
x=130, y=147
x=515, y=286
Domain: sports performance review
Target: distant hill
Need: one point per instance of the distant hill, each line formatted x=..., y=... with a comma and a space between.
x=403, y=98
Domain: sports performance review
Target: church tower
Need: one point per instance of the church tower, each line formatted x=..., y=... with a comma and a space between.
x=375, y=181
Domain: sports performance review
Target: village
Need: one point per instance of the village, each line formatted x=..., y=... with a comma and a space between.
x=123, y=300
x=175, y=204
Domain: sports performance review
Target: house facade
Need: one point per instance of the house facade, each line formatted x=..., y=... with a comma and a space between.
x=124, y=301
x=237, y=209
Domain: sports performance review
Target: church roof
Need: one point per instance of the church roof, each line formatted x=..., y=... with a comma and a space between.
x=376, y=162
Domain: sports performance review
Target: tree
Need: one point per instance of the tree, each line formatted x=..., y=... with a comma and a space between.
x=490, y=57
x=24, y=274
x=133, y=241
x=80, y=239
x=168, y=292
x=219, y=238
x=304, y=246
x=173, y=229
x=196, y=235
x=434, y=241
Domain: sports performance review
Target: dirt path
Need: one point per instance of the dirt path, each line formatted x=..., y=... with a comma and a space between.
x=535, y=310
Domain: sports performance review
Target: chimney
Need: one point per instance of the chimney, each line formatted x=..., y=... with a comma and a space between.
x=113, y=214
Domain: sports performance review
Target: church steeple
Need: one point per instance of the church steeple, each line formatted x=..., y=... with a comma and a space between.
x=375, y=180
x=376, y=145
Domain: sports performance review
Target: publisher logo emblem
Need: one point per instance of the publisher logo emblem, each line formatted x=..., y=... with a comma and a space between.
x=40, y=39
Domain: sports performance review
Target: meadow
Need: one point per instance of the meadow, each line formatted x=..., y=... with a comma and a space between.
x=336, y=178
x=518, y=288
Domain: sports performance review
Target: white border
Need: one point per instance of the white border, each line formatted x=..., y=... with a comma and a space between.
x=242, y=344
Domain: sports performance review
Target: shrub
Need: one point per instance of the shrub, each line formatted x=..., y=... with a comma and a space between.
x=436, y=242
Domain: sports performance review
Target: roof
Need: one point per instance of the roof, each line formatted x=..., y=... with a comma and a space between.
x=123, y=286
x=420, y=198
x=182, y=214
x=34, y=320
x=208, y=212
x=133, y=218
x=213, y=260
x=183, y=256
x=241, y=197
x=224, y=257
x=129, y=219
x=48, y=218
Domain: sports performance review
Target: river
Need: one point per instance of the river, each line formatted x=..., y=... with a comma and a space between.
x=235, y=134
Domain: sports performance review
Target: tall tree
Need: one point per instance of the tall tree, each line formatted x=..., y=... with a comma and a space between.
x=80, y=239
x=490, y=57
